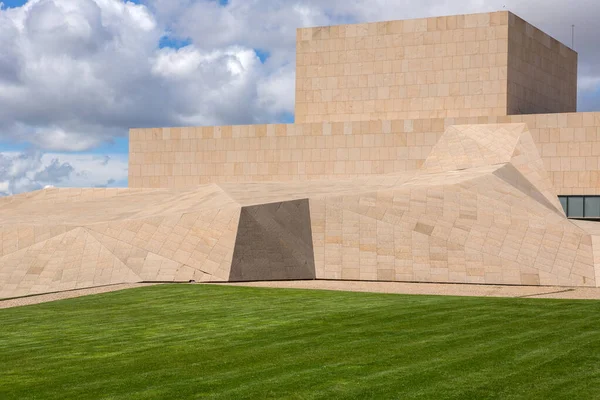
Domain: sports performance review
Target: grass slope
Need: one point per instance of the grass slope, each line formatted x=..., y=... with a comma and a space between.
x=196, y=341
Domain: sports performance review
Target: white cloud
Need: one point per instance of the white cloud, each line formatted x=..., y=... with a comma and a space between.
x=77, y=73
x=25, y=171
x=93, y=170
x=180, y=63
x=275, y=92
x=55, y=138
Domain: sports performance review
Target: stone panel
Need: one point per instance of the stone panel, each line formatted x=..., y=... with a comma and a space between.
x=489, y=64
x=569, y=144
x=187, y=157
x=481, y=209
x=542, y=72
x=493, y=220
x=454, y=66
x=274, y=242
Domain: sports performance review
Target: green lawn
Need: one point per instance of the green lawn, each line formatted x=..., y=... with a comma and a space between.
x=197, y=341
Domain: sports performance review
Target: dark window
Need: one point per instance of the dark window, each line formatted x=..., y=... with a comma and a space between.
x=581, y=206
x=592, y=207
x=575, y=207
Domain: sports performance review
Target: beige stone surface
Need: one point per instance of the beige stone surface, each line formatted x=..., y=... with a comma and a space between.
x=436, y=289
x=569, y=144
x=439, y=289
x=113, y=236
x=185, y=157
x=481, y=209
x=65, y=239
x=488, y=64
x=69, y=294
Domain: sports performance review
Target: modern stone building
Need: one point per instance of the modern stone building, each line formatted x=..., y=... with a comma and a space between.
x=429, y=150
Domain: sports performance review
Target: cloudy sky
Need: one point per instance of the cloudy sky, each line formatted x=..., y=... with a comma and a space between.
x=76, y=74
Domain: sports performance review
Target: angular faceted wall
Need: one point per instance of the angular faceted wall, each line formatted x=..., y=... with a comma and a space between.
x=481, y=209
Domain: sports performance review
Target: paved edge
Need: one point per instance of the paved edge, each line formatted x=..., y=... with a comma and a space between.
x=438, y=289
x=442, y=289
x=43, y=298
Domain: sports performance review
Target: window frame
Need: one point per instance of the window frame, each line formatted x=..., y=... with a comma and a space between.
x=583, y=196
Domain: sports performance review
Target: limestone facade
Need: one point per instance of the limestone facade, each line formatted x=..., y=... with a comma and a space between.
x=428, y=150
x=480, y=209
x=569, y=144
x=489, y=64
x=542, y=72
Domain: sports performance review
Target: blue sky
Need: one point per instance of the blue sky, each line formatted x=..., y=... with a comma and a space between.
x=75, y=75
x=13, y=3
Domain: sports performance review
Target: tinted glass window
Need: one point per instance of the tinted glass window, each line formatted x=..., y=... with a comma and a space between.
x=575, y=207
x=592, y=207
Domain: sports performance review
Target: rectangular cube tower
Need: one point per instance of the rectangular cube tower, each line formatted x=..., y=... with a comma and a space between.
x=491, y=64
x=375, y=98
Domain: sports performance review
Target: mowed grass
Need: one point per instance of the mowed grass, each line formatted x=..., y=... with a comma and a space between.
x=198, y=341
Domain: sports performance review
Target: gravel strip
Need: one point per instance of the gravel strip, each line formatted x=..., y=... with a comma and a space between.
x=42, y=298
x=445, y=289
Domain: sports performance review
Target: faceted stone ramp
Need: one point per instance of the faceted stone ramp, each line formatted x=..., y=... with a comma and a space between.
x=480, y=210
x=63, y=239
